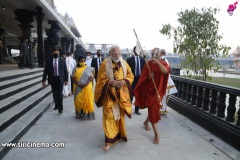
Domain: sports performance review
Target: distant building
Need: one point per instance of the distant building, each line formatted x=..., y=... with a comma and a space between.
x=236, y=60
x=93, y=47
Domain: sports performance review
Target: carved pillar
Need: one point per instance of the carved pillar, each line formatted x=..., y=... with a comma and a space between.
x=189, y=89
x=213, y=103
x=194, y=96
x=53, y=37
x=221, y=105
x=1, y=44
x=26, y=18
x=63, y=44
x=3, y=48
x=66, y=44
x=72, y=46
x=40, y=46
x=9, y=50
x=199, y=97
x=206, y=99
x=184, y=91
x=231, y=108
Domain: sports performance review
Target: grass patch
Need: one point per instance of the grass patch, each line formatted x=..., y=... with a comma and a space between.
x=232, y=82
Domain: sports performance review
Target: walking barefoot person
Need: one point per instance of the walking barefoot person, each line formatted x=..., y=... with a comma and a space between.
x=145, y=92
x=112, y=92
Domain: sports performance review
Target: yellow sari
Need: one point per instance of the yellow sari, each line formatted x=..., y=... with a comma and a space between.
x=115, y=101
x=83, y=97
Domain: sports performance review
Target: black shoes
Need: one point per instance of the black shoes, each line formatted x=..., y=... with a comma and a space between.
x=137, y=112
x=59, y=111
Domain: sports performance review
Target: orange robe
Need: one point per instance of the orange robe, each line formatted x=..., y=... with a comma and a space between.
x=108, y=96
x=145, y=93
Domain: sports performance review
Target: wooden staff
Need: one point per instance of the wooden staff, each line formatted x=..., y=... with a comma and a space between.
x=146, y=59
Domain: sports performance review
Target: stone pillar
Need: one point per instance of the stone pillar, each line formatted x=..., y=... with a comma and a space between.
x=26, y=18
x=66, y=44
x=1, y=44
x=72, y=46
x=40, y=46
x=53, y=37
x=9, y=50
x=3, y=48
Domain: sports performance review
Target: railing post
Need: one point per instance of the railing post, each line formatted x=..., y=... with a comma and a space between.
x=238, y=120
x=194, y=96
x=189, y=93
x=176, y=85
x=199, y=97
x=180, y=90
x=231, y=109
x=221, y=105
x=206, y=99
x=213, y=106
x=184, y=91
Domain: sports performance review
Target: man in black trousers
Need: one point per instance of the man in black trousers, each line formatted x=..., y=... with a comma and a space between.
x=56, y=71
x=96, y=62
x=136, y=63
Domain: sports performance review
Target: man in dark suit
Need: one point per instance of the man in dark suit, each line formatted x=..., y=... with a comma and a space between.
x=24, y=52
x=56, y=71
x=136, y=63
x=96, y=62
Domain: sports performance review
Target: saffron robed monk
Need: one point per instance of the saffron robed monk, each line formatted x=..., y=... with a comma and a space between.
x=113, y=93
x=146, y=95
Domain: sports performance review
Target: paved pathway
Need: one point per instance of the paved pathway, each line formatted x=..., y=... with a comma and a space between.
x=181, y=139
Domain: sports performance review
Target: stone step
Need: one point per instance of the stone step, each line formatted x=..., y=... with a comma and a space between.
x=10, y=91
x=14, y=113
x=9, y=75
x=16, y=81
x=11, y=101
x=18, y=128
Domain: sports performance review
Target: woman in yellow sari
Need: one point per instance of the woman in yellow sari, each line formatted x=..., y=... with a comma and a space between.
x=82, y=77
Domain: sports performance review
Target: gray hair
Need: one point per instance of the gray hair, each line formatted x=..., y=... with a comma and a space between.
x=114, y=46
x=163, y=51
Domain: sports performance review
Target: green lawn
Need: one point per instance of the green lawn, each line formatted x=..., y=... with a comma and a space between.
x=232, y=82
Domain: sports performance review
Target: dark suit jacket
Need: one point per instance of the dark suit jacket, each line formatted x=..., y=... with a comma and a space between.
x=94, y=64
x=131, y=63
x=48, y=70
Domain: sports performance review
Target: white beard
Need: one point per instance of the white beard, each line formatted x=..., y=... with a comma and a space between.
x=116, y=60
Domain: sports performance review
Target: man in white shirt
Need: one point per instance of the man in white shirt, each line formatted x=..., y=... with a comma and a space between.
x=171, y=88
x=88, y=59
x=71, y=63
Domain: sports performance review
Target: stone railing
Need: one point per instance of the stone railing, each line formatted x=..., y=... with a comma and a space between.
x=212, y=106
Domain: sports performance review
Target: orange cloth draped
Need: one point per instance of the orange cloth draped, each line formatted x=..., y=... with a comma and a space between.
x=108, y=96
x=144, y=92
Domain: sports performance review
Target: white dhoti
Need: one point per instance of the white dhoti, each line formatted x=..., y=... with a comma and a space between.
x=171, y=89
x=67, y=88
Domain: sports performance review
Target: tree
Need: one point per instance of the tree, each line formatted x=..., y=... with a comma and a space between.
x=197, y=40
